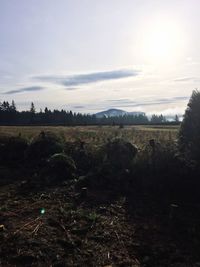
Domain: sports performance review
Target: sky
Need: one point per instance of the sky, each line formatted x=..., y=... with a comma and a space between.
x=92, y=55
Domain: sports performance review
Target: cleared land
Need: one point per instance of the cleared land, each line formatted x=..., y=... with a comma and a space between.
x=57, y=225
x=138, y=135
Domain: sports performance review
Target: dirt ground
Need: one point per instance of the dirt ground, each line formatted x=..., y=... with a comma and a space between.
x=59, y=226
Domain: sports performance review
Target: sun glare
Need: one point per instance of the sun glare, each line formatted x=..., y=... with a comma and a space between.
x=162, y=42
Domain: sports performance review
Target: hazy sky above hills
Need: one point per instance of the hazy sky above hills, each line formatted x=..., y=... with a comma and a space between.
x=91, y=55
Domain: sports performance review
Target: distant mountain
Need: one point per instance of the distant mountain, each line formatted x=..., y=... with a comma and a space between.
x=116, y=113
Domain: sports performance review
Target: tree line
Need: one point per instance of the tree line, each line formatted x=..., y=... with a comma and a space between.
x=9, y=115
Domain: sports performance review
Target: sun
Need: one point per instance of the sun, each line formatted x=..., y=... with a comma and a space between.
x=162, y=41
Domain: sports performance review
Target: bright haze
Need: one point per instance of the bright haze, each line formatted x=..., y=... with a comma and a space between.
x=91, y=55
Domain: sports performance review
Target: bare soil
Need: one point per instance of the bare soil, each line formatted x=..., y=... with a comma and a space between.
x=58, y=227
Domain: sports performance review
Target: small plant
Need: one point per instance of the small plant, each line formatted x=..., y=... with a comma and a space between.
x=81, y=154
x=119, y=153
x=93, y=216
x=112, y=166
x=12, y=149
x=43, y=146
x=60, y=167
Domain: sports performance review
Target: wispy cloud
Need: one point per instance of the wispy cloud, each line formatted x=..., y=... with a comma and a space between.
x=124, y=100
x=184, y=79
x=24, y=89
x=73, y=88
x=180, y=98
x=79, y=107
x=129, y=104
x=159, y=101
x=81, y=79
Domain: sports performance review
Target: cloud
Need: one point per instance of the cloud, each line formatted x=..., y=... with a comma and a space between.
x=159, y=101
x=81, y=79
x=180, y=98
x=169, y=112
x=79, y=107
x=162, y=101
x=124, y=100
x=129, y=104
x=24, y=89
x=73, y=88
x=184, y=79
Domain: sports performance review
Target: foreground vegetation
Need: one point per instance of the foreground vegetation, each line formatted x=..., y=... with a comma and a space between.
x=89, y=197
x=100, y=196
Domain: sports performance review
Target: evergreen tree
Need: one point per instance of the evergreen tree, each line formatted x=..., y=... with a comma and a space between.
x=32, y=113
x=176, y=119
x=13, y=106
x=189, y=134
x=32, y=109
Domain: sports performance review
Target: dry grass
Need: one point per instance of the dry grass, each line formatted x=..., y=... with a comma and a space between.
x=138, y=135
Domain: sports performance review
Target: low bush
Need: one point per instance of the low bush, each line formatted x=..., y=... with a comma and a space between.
x=83, y=155
x=119, y=154
x=12, y=149
x=60, y=167
x=112, y=166
x=157, y=157
x=160, y=171
x=43, y=146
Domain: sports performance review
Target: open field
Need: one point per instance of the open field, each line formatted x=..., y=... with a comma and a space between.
x=138, y=135
x=64, y=203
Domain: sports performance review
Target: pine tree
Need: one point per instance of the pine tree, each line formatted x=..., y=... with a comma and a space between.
x=189, y=134
x=32, y=113
x=32, y=109
x=176, y=119
x=13, y=106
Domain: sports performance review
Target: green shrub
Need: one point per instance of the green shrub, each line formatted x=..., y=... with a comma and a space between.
x=119, y=153
x=158, y=169
x=112, y=169
x=82, y=154
x=60, y=167
x=12, y=149
x=43, y=146
x=158, y=159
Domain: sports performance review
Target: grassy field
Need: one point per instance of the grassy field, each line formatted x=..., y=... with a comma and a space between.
x=138, y=135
